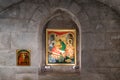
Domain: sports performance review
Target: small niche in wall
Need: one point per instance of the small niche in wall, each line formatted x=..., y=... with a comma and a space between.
x=61, y=20
x=23, y=57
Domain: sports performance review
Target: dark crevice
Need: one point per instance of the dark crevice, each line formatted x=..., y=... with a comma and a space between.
x=12, y=5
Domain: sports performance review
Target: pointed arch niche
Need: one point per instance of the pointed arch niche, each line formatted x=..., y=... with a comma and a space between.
x=62, y=19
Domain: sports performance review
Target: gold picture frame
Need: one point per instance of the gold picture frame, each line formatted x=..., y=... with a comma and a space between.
x=60, y=47
x=23, y=57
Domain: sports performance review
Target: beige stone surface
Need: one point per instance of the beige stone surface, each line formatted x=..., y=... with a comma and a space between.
x=23, y=24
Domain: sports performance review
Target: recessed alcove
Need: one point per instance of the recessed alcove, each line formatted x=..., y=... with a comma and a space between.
x=61, y=20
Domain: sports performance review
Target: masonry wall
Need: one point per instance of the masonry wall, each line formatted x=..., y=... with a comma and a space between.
x=22, y=25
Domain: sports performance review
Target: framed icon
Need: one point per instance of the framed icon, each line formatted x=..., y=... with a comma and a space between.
x=23, y=57
x=60, y=47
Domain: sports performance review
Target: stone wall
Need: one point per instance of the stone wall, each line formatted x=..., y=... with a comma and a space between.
x=22, y=25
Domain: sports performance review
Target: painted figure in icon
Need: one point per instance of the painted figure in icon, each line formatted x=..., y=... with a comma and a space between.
x=23, y=57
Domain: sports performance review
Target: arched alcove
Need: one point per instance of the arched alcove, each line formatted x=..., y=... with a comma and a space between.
x=62, y=19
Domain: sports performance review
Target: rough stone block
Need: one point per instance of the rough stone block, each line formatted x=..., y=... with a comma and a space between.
x=112, y=76
x=22, y=10
x=113, y=40
x=30, y=9
x=62, y=69
x=8, y=58
x=40, y=14
x=91, y=76
x=105, y=13
x=84, y=1
x=21, y=40
x=88, y=25
x=113, y=26
x=93, y=41
x=100, y=70
x=6, y=3
x=61, y=22
x=54, y=3
x=11, y=58
x=12, y=12
x=92, y=11
x=114, y=58
x=99, y=58
x=26, y=76
x=3, y=57
x=74, y=8
x=5, y=40
x=12, y=25
x=92, y=58
x=32, y=26
x=26, y=69
x=7, y=73
x=27, y=10
x=65, y=3
x=84, y=22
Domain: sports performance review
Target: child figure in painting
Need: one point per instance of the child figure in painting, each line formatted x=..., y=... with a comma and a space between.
x=55, y=52
x=69, y=49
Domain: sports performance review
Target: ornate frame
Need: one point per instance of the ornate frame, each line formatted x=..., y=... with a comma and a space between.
x=60, y=47
x=23, y=57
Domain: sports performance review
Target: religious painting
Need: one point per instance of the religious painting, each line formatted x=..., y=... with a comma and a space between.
x=23, y=57
x=60, y=47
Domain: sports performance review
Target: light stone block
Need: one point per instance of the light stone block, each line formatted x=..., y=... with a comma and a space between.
x=26, y=69
x=93, y=41
x=5, y=40
x=12, y=25
x=32, y=26
x=7, y=73
x=21, y=40
x=8, y=58
x=64, y=69
x=26, y=76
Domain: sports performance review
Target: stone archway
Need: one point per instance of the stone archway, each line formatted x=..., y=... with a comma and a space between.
x=62, y=19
